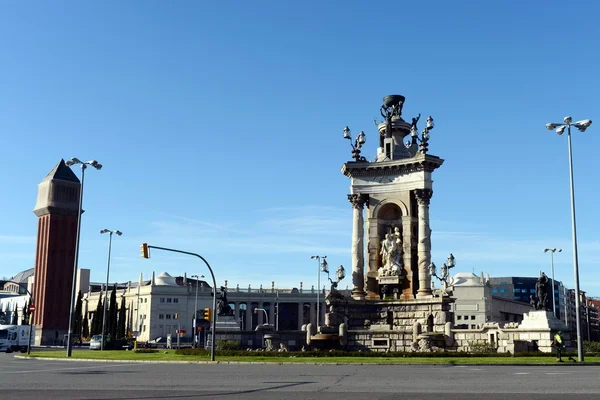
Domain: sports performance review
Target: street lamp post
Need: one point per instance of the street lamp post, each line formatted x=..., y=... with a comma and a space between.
x=560, y=129
x=321, y=265
x=196, y=312
x=552, y=251
x=265, y=311
x=97, y=165
x=119, y=233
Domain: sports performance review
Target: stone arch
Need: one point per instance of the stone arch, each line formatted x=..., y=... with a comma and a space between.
x=382, y=205
x=430, y=323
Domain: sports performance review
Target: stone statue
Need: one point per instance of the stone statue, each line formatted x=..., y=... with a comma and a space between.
x=398, y=259
x=223, y=308
x=414, y=123
x=384, y=291
x=540, y=291
x=391, y=257
x=388, y=250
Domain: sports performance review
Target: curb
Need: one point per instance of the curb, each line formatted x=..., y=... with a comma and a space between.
x=295, y=363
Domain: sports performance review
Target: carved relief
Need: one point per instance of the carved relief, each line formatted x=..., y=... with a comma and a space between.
x=423, y=196
x=358, y=200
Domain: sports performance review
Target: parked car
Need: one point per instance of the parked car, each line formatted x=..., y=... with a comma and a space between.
x=110, y=344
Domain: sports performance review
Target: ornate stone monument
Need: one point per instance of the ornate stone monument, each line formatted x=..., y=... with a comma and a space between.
x=391, y=295
x=396, y=190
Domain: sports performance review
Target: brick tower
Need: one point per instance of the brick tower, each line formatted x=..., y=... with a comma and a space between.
x=56, y=207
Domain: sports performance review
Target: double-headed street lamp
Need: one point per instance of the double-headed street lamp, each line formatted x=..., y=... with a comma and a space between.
x=560, y=129
x=552, y=251
x=119, y=233
x=322, y=267
x=84, y=165
x=356, y=146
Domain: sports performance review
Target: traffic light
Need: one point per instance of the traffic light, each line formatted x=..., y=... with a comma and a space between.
x=208, y=314
x=144, y=251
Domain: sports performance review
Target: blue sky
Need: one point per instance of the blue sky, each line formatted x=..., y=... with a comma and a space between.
x=219, y=125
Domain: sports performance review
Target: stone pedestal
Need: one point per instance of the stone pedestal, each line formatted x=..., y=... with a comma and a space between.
x=540, y=320
x=227, y=323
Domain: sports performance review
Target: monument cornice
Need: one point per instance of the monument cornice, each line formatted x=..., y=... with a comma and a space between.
x=424, y=162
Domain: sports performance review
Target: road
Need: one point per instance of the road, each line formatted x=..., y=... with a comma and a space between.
x=42, y=379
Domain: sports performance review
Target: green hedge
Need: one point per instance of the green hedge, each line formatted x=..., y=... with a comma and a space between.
x=146, y=351
x=335, y=353
x=591, y=347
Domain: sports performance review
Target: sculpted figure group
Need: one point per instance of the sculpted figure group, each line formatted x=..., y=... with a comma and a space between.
x=391, y=253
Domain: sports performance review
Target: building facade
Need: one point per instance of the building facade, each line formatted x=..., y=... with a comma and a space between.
x=165, y=304
x=475, y=304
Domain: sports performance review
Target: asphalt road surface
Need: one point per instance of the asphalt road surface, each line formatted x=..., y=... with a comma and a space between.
x=42, y=379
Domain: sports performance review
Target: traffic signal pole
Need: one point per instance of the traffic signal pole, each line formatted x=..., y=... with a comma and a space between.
x=146, y=254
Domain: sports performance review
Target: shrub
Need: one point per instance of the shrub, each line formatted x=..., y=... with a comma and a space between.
x=146, y=351
x=591, y=347
x=228, y=344
x=482, y=348
x=192, y=352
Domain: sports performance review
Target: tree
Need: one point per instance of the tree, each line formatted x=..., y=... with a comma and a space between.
x=121, y=331
x=29, y=314
x=24, y=315
x=15, y=316
x=129, y=319
x=85, y=329
x=78, y=316
x=97, y=318
x=112, y=314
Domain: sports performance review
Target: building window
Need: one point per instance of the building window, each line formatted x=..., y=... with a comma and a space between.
x=161, y=316
x=494, y=290
x=162, y=299
x=473, y=326
x=175, y=300
x=517, y=290
x=472, y=317
x=503, y=283
x=168, y=316
x=502, y=290
x=168, y=299
x=458, y=317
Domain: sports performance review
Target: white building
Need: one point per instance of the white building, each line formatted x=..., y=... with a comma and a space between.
x=475, y=305
x=165, y=304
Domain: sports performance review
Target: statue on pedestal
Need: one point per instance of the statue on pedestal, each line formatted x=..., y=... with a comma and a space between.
x=540, y=291
x=223, y=307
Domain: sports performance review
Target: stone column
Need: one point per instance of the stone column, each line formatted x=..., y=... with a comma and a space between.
x=300, y=309
x=261, y=314
x=272, y=314
x=358, y=247
x=248, y=326
x=313, y=319
x=424, y=246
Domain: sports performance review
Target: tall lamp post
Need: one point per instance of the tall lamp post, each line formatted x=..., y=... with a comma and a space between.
x=196, y=311
x=552, y=251
x=119, y=233
x=84, y=165
x=560, y=129
x=321, y=266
